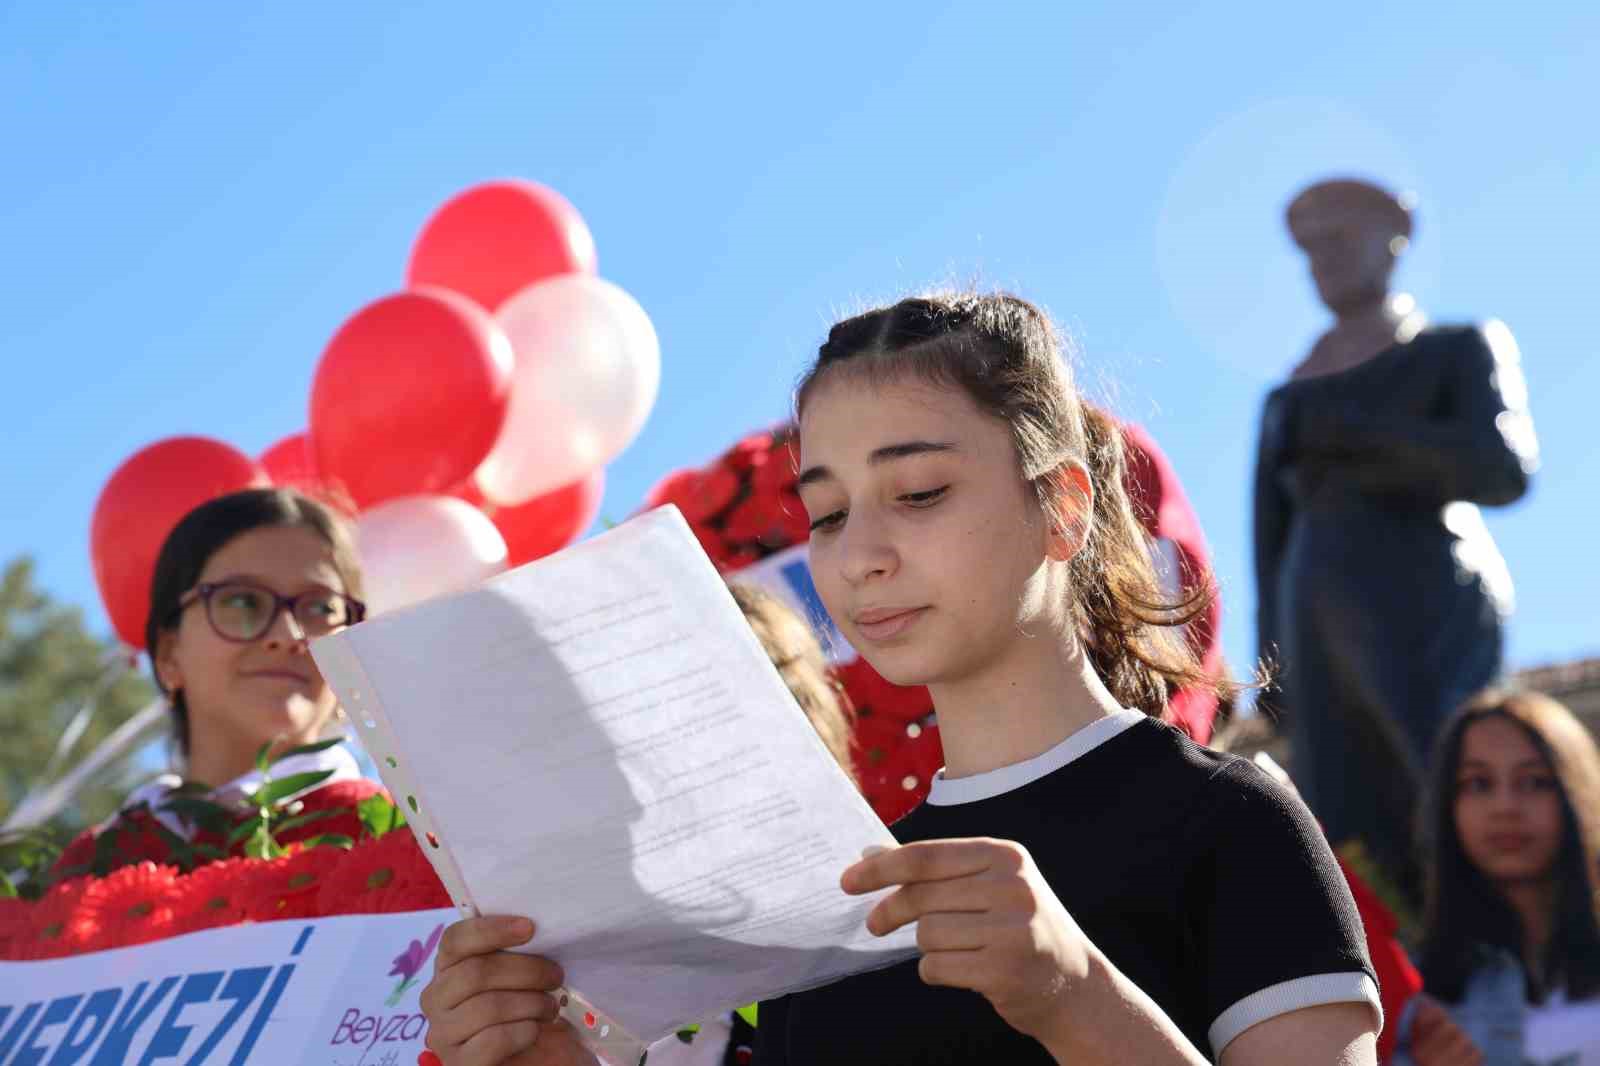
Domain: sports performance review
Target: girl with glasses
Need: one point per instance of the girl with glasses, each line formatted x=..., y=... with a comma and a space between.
x=240, y=586
x=1087, y=884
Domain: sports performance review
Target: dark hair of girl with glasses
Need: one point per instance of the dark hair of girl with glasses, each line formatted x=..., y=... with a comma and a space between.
x=1086, y=884
x=242, y=583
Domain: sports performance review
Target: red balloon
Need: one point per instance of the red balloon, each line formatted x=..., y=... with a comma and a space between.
x=290, y=463
x=409, y=396
x=495, y=239
x=548, y=523
x=142, y=501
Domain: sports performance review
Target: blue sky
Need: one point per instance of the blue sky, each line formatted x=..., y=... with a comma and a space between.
x=195, y=197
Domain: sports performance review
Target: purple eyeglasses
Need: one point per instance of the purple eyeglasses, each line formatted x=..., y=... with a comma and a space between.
x=240, y=611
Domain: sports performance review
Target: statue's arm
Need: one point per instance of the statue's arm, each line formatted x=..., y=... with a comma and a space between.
x=1482, y=448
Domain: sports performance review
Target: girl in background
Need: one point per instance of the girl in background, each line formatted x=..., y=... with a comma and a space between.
x=1511, y=942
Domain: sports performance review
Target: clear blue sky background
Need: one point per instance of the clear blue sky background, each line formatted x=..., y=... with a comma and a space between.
x=194, y=197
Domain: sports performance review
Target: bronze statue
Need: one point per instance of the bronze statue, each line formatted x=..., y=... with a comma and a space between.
x=1380, y=593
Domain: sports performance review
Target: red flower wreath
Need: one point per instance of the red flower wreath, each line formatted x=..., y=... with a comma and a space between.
x=895, y=762
x=131, y=905
x=870, y=692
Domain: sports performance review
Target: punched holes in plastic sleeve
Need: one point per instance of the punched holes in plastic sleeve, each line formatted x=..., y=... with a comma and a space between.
x=362, y=713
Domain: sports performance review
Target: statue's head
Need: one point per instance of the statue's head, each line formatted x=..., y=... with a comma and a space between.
x=1352, y=231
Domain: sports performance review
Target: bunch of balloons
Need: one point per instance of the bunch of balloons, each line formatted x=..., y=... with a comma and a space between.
x=465, y=421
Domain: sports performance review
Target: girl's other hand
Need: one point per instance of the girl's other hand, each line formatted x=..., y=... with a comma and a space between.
x=1436, y=1039
x=986, y=921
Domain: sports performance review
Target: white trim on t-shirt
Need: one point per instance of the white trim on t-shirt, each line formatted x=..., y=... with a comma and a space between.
x=948, y=793
x=1297, y=994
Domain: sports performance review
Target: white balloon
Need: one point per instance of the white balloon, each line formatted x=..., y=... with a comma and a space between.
x=417, y=547
x=588, y=366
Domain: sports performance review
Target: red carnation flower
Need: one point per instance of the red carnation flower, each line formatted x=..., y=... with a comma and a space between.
x=50, y=929
x=793, y=521
x=757, y=519
x=381, y=876
x=15, y=916
x=719, y=551
x=134, y=839
x=287, y=887
x=736, y=559
x=214, y=895
x=780, y=470
x=708, y=495
x=415, y=878
x=419, y=890
x=750, y=452
x=670, y=489
x=131, y=905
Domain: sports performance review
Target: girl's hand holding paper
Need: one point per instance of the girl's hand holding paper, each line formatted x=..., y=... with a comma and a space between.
x=986, y=921
x=489, y=1007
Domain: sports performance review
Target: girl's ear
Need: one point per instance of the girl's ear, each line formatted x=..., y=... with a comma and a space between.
x=164, y=658
x=1073, y=511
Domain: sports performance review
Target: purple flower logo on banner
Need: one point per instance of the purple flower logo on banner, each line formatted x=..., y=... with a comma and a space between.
x=409, y=963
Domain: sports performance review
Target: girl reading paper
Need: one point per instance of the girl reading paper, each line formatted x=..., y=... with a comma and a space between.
x=1086, y=883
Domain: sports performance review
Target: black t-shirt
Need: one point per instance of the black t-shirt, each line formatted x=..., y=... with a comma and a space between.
x=1205, y=882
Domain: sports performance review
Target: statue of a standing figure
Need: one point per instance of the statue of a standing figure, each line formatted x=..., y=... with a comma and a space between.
x=1380, y=592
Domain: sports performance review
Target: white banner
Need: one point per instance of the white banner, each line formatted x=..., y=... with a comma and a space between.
x=329, y=991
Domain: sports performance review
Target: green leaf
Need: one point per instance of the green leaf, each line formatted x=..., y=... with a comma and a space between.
x=302, y=819
x=244, y=829
x=332, y=840
x=281, y=788
x=380, y=815
x=262, y=846
x=7, y=889
x=192, y=788
x=262, y=763
x=309, y=749
x=210, y=851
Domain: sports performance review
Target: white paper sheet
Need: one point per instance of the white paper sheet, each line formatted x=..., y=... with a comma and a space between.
x=598, y=742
